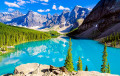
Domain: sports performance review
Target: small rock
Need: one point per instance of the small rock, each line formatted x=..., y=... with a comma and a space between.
x=56, y=72
x=74, y=73
x=53, y=68
x=9, y=74
x=43, y=69
x=63, y=69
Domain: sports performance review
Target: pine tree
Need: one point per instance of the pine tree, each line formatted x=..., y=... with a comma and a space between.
x=1, y=41
x=115, y=43
x=69, y=62
x=104, y=65
x=86, y=69
x=112, y=43
x=79, y=65
x=107, y=38
x=117, y=36
x=111, y=36
x=3, y=38
x=108, y=68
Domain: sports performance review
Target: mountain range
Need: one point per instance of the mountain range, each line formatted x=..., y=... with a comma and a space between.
x=32, y=19
x=102, y=21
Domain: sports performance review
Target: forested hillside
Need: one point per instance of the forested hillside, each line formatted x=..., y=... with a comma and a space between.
x=11, y=35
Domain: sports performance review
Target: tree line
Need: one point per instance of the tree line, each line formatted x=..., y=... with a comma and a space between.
x=113, y=38
x=105, y=67
x=12, y=35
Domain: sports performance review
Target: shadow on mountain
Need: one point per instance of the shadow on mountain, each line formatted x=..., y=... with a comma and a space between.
x=17, y=20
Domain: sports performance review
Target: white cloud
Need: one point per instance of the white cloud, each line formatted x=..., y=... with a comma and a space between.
x=44, y=3
x=44, y=0
x=12, y=4
x=33, y=1
x=54, y=7
x=40, y=10
x=27, y=1
x=21, y=2
x=47, y=10
x=63, y=8
x=79, y=6
x=10, y=9
x=89, y=9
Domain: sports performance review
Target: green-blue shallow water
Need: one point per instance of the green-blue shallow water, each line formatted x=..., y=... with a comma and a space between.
x=53, y=52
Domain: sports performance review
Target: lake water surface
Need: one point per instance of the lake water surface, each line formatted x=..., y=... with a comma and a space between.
x=53, y=52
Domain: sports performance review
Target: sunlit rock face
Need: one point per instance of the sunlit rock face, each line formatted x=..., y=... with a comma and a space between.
x=30, y=19
x=49, y=16
x=106, y=15
x=67, y=18
x=64, y=17
x=34, y=19
x=77, y=13
x=52, y=21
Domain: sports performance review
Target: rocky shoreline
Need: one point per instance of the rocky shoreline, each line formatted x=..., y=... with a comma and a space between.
x=35, y=69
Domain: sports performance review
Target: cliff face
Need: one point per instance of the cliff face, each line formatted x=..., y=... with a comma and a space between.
x=67, y=18
x=35, y=69
x=78, y=13
x=103, y=20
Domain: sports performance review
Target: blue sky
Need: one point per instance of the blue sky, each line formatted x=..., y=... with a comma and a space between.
x=44, y=6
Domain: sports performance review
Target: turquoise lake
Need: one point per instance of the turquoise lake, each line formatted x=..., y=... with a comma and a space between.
x=53, y=52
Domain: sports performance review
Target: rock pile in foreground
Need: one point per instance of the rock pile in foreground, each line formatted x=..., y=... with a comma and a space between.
x=35, y=69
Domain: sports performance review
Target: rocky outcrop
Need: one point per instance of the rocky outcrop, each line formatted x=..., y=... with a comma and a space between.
x=103, y=20
x=63, y=18
x=49, y=16
x=35, y=69
x=52, y=21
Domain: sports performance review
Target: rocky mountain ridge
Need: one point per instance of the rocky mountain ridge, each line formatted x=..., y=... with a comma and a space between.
x=66, y=18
